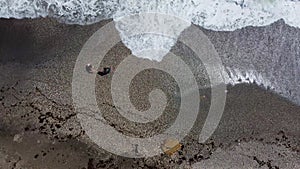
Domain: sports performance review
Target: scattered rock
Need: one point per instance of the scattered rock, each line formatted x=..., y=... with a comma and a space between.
x=18, y=138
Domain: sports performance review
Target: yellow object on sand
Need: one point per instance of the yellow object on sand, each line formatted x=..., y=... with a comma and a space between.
x=171, y=146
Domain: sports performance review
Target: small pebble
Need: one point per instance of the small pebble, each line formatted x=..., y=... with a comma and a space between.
x=18, y=138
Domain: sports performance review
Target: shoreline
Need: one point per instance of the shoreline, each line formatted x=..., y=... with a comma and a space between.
x=37, y=58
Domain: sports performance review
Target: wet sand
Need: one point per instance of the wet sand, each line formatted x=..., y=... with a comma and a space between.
x=39, y=128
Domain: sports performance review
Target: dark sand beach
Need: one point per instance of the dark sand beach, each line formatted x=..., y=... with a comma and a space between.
x=39, y=128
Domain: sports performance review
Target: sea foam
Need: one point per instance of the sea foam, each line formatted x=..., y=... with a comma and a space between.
x=215, y=14
x=219, y=15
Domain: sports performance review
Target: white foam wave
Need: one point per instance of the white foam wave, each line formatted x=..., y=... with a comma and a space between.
x=214, y=14
x=220, y=15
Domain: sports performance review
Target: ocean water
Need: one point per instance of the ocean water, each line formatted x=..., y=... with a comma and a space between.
x=218, y=15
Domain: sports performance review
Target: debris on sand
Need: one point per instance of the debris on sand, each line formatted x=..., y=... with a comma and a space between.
x=171, y=146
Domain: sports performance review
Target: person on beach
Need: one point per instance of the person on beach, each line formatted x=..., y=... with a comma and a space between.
x=105, y=71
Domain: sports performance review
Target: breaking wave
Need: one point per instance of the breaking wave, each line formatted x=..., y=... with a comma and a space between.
x=215, y=14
